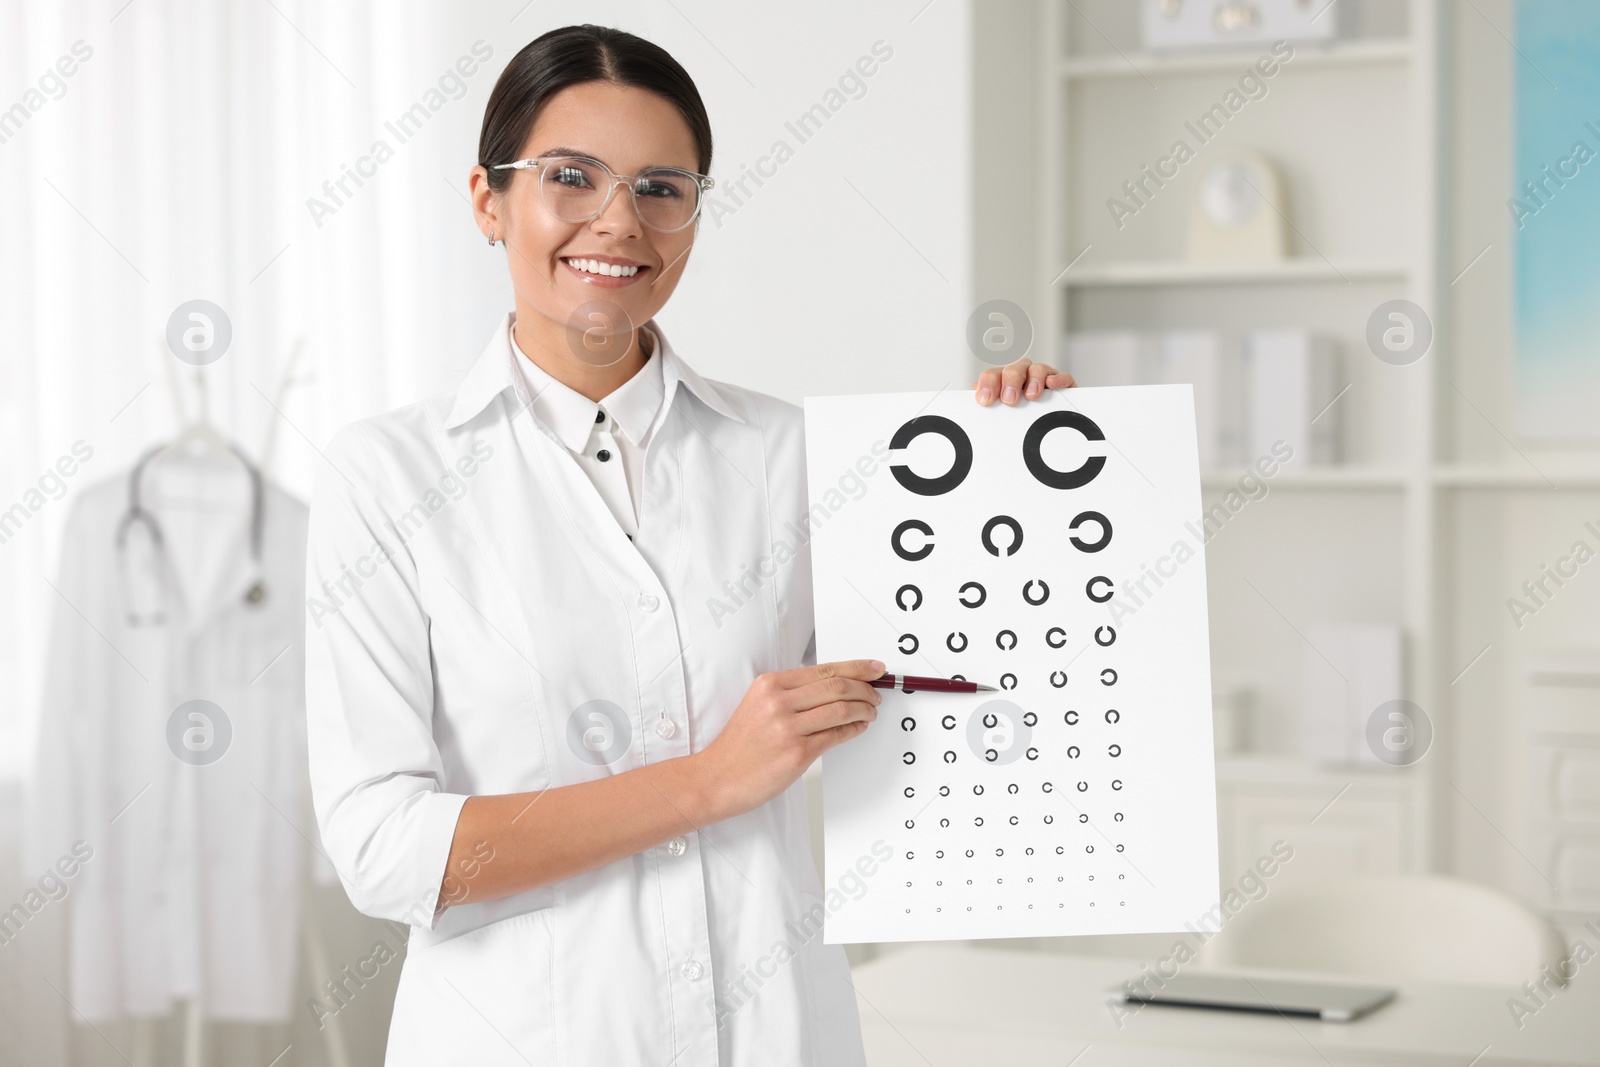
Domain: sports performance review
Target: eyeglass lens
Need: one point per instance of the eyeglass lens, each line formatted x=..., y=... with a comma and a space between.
x=574, y=188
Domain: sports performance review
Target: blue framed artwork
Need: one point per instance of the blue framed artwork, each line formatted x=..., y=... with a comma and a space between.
x=1555, y=218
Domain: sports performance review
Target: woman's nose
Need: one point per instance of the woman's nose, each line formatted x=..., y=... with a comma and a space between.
x=620, y=215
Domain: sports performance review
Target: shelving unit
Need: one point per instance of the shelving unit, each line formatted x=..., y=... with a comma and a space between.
x=1439, y=512
x=1103, y=107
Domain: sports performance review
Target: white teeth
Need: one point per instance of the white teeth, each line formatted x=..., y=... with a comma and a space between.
x=611, y=270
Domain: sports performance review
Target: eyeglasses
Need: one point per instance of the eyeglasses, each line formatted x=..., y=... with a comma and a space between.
x=577, y=189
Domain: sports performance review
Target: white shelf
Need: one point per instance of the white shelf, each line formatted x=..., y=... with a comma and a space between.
x=1151, y=64
x=1444, y=476
x=1518, y=475
x=1353, y=476
x=1179, y=272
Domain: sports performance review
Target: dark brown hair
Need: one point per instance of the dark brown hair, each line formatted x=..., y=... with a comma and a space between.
x=571, y=56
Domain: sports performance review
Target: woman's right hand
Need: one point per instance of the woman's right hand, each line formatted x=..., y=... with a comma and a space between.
x=785, y=721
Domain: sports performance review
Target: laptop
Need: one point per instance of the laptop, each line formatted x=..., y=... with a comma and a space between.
x=1329, y=1001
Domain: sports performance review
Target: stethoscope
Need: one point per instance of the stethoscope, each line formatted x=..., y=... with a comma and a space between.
x=137, y=515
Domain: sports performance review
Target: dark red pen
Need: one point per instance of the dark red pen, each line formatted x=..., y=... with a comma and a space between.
x=911, y=683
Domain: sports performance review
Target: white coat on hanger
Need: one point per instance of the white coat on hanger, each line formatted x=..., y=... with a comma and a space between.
x=194, y=886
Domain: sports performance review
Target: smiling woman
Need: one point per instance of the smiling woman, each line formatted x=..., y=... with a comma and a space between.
x=536, y=674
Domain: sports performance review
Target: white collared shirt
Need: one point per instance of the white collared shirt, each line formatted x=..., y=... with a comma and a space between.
x=479, y=623
x=607, y=439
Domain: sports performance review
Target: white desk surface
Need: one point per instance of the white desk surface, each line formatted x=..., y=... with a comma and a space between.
x=953, y=1005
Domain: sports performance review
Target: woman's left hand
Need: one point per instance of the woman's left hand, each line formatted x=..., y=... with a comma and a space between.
x=1019, y=379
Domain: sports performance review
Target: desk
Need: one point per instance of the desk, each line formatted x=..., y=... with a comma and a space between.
x=954, y=1005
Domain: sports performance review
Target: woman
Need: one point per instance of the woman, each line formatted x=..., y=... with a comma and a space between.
x=532, y=739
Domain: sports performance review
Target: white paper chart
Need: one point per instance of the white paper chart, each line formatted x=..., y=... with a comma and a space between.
x=1054, y=549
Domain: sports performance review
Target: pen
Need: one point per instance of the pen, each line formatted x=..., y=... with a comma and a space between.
x=911, y=683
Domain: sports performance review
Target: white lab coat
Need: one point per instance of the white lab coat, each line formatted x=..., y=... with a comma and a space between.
x=194, y=883
x=470, y=596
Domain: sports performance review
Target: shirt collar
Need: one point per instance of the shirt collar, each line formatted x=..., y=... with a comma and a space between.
x=496, y=370
x=571, y=415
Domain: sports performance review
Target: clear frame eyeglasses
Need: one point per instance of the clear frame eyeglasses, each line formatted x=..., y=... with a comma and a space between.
x=577, y=189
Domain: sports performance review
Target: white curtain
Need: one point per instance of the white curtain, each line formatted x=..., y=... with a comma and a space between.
x=175, y=162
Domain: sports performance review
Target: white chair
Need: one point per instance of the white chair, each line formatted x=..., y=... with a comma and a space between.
x=1394, y=929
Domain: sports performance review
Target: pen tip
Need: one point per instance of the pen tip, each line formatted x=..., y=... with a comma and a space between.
x=987, y=688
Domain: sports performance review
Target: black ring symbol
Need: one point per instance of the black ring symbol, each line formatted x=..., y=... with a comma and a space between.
x=1083, y=787
x=1050, y=638
x=948, y=722
x=990, y=755
x=999, y=640
x=1047, y=474
x=958, y=677
x=899, y=598
x=1114, y=750
x=1071, y=717
x=950, y=642
x=911, y=791
x=1111, y=635
x=1044, y=593
x=1047, y=787
x=1108, y=681
x=1032, y=753
x=951, y=431
x=977, y=791
x=1016, y=534
x=910, y=823
x=1012, y=788
x=915, y=644
x=900, y=531
x=1062, y=675
x=1113, y=716
x=1089, y=588
x=949, y=757
x=1014, y=820
x=944, y=790
x=1117, y=817
x=1116, y=783
x=983, y=594
x=1028, y=719
x=909, y=758
x=1085, y=818
x=1013, y=679
x=908, y=723
x=1105, y=531
x=1072, y=752
x=991, y=720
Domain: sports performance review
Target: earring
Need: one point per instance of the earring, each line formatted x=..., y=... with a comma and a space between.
x=491, y=237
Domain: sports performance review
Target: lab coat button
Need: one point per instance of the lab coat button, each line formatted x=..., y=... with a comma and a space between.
x=666, y=728
x=648, y=602
x=603, y=455
x=677, y=846
x=692, y=970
